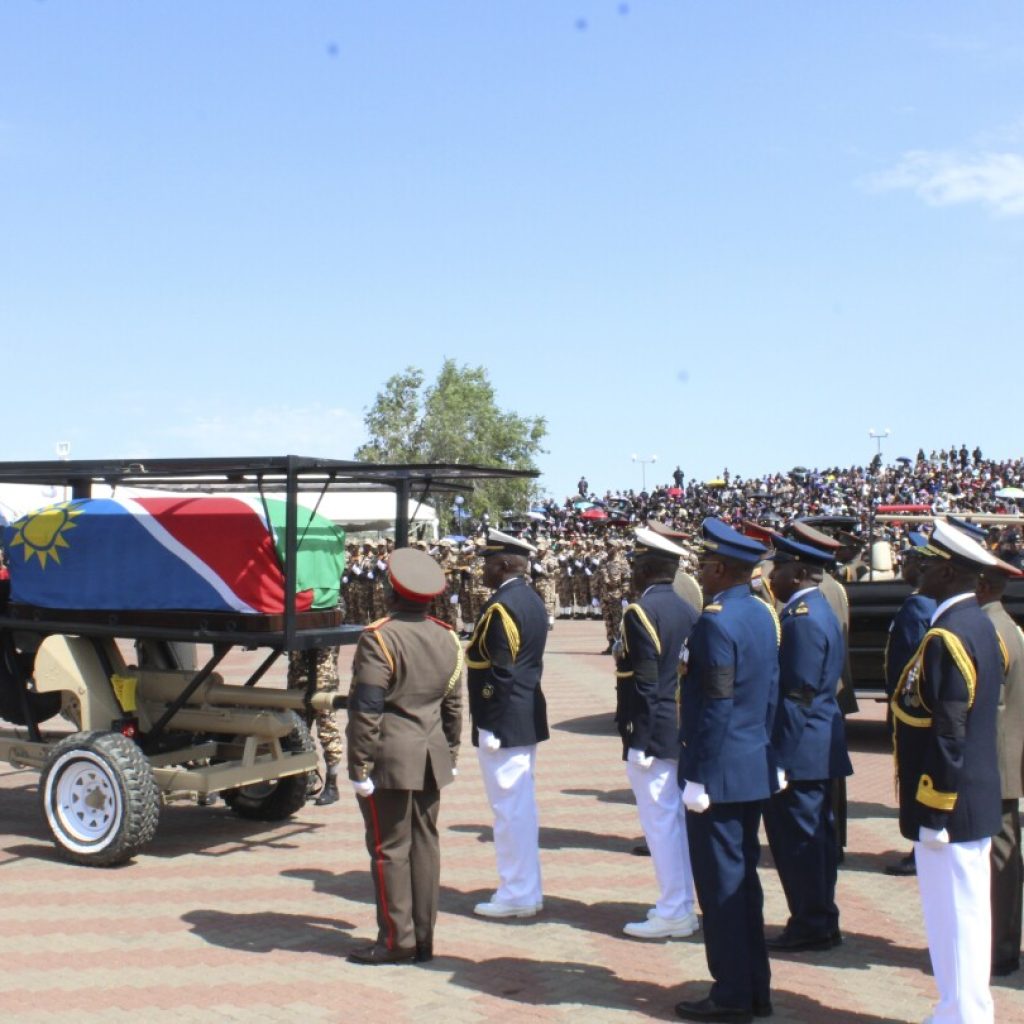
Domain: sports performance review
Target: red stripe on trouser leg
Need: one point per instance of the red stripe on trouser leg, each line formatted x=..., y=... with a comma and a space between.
x=382, y=888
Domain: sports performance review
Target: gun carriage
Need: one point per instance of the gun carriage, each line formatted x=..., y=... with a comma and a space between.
x=149, y=723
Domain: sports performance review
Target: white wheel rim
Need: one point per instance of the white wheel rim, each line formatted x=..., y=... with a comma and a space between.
x=84, y=805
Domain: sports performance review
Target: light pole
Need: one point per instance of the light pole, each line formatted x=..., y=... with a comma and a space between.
x=643, y=467
x=879, y=437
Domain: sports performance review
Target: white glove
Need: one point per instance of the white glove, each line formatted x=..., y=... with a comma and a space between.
x=695, y=797
x=454, y=599
x=625, y=602
x=932, y=838
x=780, y=774
x=489, y=741
x=595, y=602
x=362, y=787
x=639, y=758
x=382, y=565
x=455, y=773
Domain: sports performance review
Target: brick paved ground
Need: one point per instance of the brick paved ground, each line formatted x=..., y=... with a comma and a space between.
x=223, y=920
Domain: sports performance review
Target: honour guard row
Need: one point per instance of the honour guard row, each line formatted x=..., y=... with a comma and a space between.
x=728, y=710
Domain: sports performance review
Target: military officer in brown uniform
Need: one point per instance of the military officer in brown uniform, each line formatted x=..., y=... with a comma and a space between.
x=404, y=727
x=1007, y=868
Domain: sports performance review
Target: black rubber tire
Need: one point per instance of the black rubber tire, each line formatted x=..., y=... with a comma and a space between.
x=276, y=799
x=99, y=798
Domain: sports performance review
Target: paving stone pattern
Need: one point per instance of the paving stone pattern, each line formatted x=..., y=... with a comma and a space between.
x=226, y=920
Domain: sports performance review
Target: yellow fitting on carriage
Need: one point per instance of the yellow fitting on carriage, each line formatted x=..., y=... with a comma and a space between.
x=124, y=690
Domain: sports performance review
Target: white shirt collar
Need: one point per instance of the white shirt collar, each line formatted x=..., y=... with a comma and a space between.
x=948, y=603
x=797, y=596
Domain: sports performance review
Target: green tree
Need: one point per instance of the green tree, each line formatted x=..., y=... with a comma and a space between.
x=456, y=419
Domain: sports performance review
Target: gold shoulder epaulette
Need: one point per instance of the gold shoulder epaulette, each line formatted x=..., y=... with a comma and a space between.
x=440, y=622
x=378, y=623
x=801, y=609
x=712, y=608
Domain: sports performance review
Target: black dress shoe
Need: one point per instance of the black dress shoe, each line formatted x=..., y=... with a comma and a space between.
x=904, y=866
x=708, y=1009
x=786, y=942
x=641, y=850
x=1001, y=970
x=763, y=1008
x=424, y=952
x=378, y=954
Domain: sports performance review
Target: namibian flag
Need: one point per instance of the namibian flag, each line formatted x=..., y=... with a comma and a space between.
x=203, y=554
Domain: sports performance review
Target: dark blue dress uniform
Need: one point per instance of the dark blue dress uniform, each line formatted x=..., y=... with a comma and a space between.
x=908, y=628
x=729, y=693
x=944, y=727
x=654, y=631
x=809, y=740
x=505, y=659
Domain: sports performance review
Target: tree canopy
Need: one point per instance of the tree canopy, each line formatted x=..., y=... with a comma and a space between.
x=456, y=419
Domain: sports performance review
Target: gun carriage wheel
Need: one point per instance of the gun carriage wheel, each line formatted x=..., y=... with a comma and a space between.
x=276, y=799
x=99, y=798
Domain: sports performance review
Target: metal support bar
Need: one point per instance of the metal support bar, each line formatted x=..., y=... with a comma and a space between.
x=263, y=668
x=402, y=512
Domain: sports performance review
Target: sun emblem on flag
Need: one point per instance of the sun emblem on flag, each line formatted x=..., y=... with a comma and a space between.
x=41, y=533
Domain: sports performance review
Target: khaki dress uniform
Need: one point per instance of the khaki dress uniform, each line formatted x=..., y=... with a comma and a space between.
x=404, y=728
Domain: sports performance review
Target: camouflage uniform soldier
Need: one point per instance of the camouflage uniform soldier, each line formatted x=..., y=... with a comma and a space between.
x=544, y=574
x=377, y=574
x=362, y=584
x=564, y=584
x=441, y=607
x=467, y=608
x=613, y=581
x=580, y=581
x=322, y=662
x=347, y=590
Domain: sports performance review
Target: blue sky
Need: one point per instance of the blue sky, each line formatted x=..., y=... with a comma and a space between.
x=724, y=233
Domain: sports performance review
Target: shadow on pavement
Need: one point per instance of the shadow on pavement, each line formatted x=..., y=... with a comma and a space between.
x=558, y=838
x=267, y=931
x=552, y=983
x=205, y=831
x=875, y=863
x=605, y=796
x=590, y=725
x=869, y=809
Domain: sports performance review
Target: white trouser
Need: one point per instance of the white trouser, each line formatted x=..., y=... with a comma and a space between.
x=659, y=802
x=508, y=781
x=954, y=884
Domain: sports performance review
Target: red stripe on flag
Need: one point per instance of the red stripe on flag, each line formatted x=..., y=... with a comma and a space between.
x=230, y=538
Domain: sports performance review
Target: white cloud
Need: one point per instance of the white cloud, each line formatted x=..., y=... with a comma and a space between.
x=270, y=430
x=995, y=180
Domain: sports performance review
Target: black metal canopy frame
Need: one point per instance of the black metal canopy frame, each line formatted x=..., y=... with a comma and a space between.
x=287, y=474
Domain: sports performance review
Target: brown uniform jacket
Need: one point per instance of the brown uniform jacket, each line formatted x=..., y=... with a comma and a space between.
x=1010, y=722
x=405, y=703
